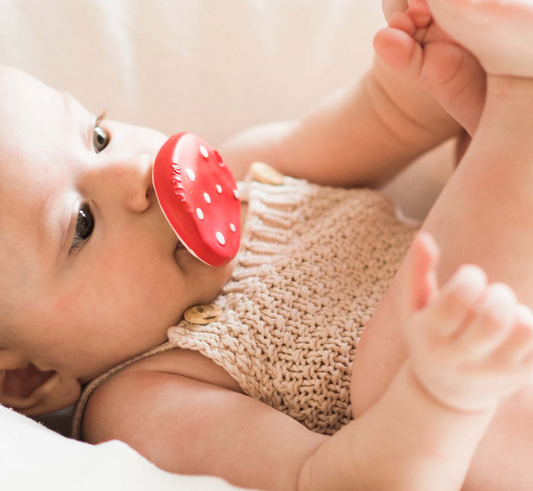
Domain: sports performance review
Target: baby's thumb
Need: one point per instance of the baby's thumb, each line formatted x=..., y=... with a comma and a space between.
x=422, y=275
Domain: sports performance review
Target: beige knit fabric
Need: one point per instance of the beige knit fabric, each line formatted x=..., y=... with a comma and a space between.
x=314, y=263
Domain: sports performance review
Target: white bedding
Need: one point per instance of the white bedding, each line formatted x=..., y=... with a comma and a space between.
x=208, y=66
x=33, y=457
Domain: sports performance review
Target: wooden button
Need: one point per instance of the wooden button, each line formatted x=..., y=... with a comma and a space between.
x=266, y=174
x=202, y=314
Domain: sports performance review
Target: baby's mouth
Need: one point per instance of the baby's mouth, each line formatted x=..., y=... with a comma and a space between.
x=179, y=246
x=178, y=252
x=180, y=249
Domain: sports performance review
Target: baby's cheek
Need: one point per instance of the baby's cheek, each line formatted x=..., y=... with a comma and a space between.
x=67, y=302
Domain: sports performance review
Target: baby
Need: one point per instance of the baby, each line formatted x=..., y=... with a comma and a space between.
x=92, y=276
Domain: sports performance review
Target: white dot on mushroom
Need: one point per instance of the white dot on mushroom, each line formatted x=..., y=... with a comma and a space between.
x=207, y=197
x=220, y=238
x=236, y=194
x=204, y=151
x=232, y=227
x=219, y=188
x=190, y=174
x=200, y=213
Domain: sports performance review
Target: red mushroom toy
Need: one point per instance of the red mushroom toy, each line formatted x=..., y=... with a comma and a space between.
x=199, y=197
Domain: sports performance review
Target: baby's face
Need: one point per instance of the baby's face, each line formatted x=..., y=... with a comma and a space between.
x=88, y=266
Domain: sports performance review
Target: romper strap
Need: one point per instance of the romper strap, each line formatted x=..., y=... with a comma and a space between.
x=92, y=386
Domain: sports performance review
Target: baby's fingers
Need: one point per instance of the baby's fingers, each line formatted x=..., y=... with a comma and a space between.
x=418, y=10
x=418, y=6
x=518, y=348
x=491, y=323
x=456, y=301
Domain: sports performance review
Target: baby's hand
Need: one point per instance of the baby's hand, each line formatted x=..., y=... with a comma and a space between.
x=472, y=344
x=498, y=32
x=415, y=45
x=392, y=7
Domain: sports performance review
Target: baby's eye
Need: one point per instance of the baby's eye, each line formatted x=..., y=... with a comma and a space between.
x=84, y=226
x=100, y=139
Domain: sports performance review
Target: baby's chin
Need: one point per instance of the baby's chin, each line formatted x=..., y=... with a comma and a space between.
x=210, y=281
x=200, y=283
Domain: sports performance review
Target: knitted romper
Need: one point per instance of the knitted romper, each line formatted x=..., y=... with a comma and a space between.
x=314, y=263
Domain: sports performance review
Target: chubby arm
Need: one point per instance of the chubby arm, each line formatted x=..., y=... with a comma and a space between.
x=361, y=135
x=406, y=441
x=190, y=427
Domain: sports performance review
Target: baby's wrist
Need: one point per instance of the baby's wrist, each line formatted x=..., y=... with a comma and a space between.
x=438, y=403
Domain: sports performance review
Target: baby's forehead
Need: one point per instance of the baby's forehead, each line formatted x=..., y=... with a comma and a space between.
x=32, y=118
x=16, y=87
x=14, y=81
x=25, y=102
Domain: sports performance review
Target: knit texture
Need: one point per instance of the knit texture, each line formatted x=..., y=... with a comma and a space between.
x=313, y=265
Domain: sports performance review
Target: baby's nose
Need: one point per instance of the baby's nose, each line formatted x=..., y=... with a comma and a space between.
x=134, y=181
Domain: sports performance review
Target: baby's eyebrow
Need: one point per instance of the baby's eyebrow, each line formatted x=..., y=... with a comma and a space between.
x=53, y=227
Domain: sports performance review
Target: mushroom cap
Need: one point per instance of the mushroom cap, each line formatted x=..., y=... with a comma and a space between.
x=198, y=195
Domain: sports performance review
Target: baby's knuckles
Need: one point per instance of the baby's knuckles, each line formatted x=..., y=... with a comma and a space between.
x=498, y=307
x=517, y=350
x=450, y=375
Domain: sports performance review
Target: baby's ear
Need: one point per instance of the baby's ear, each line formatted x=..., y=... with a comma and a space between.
x=31, y=391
